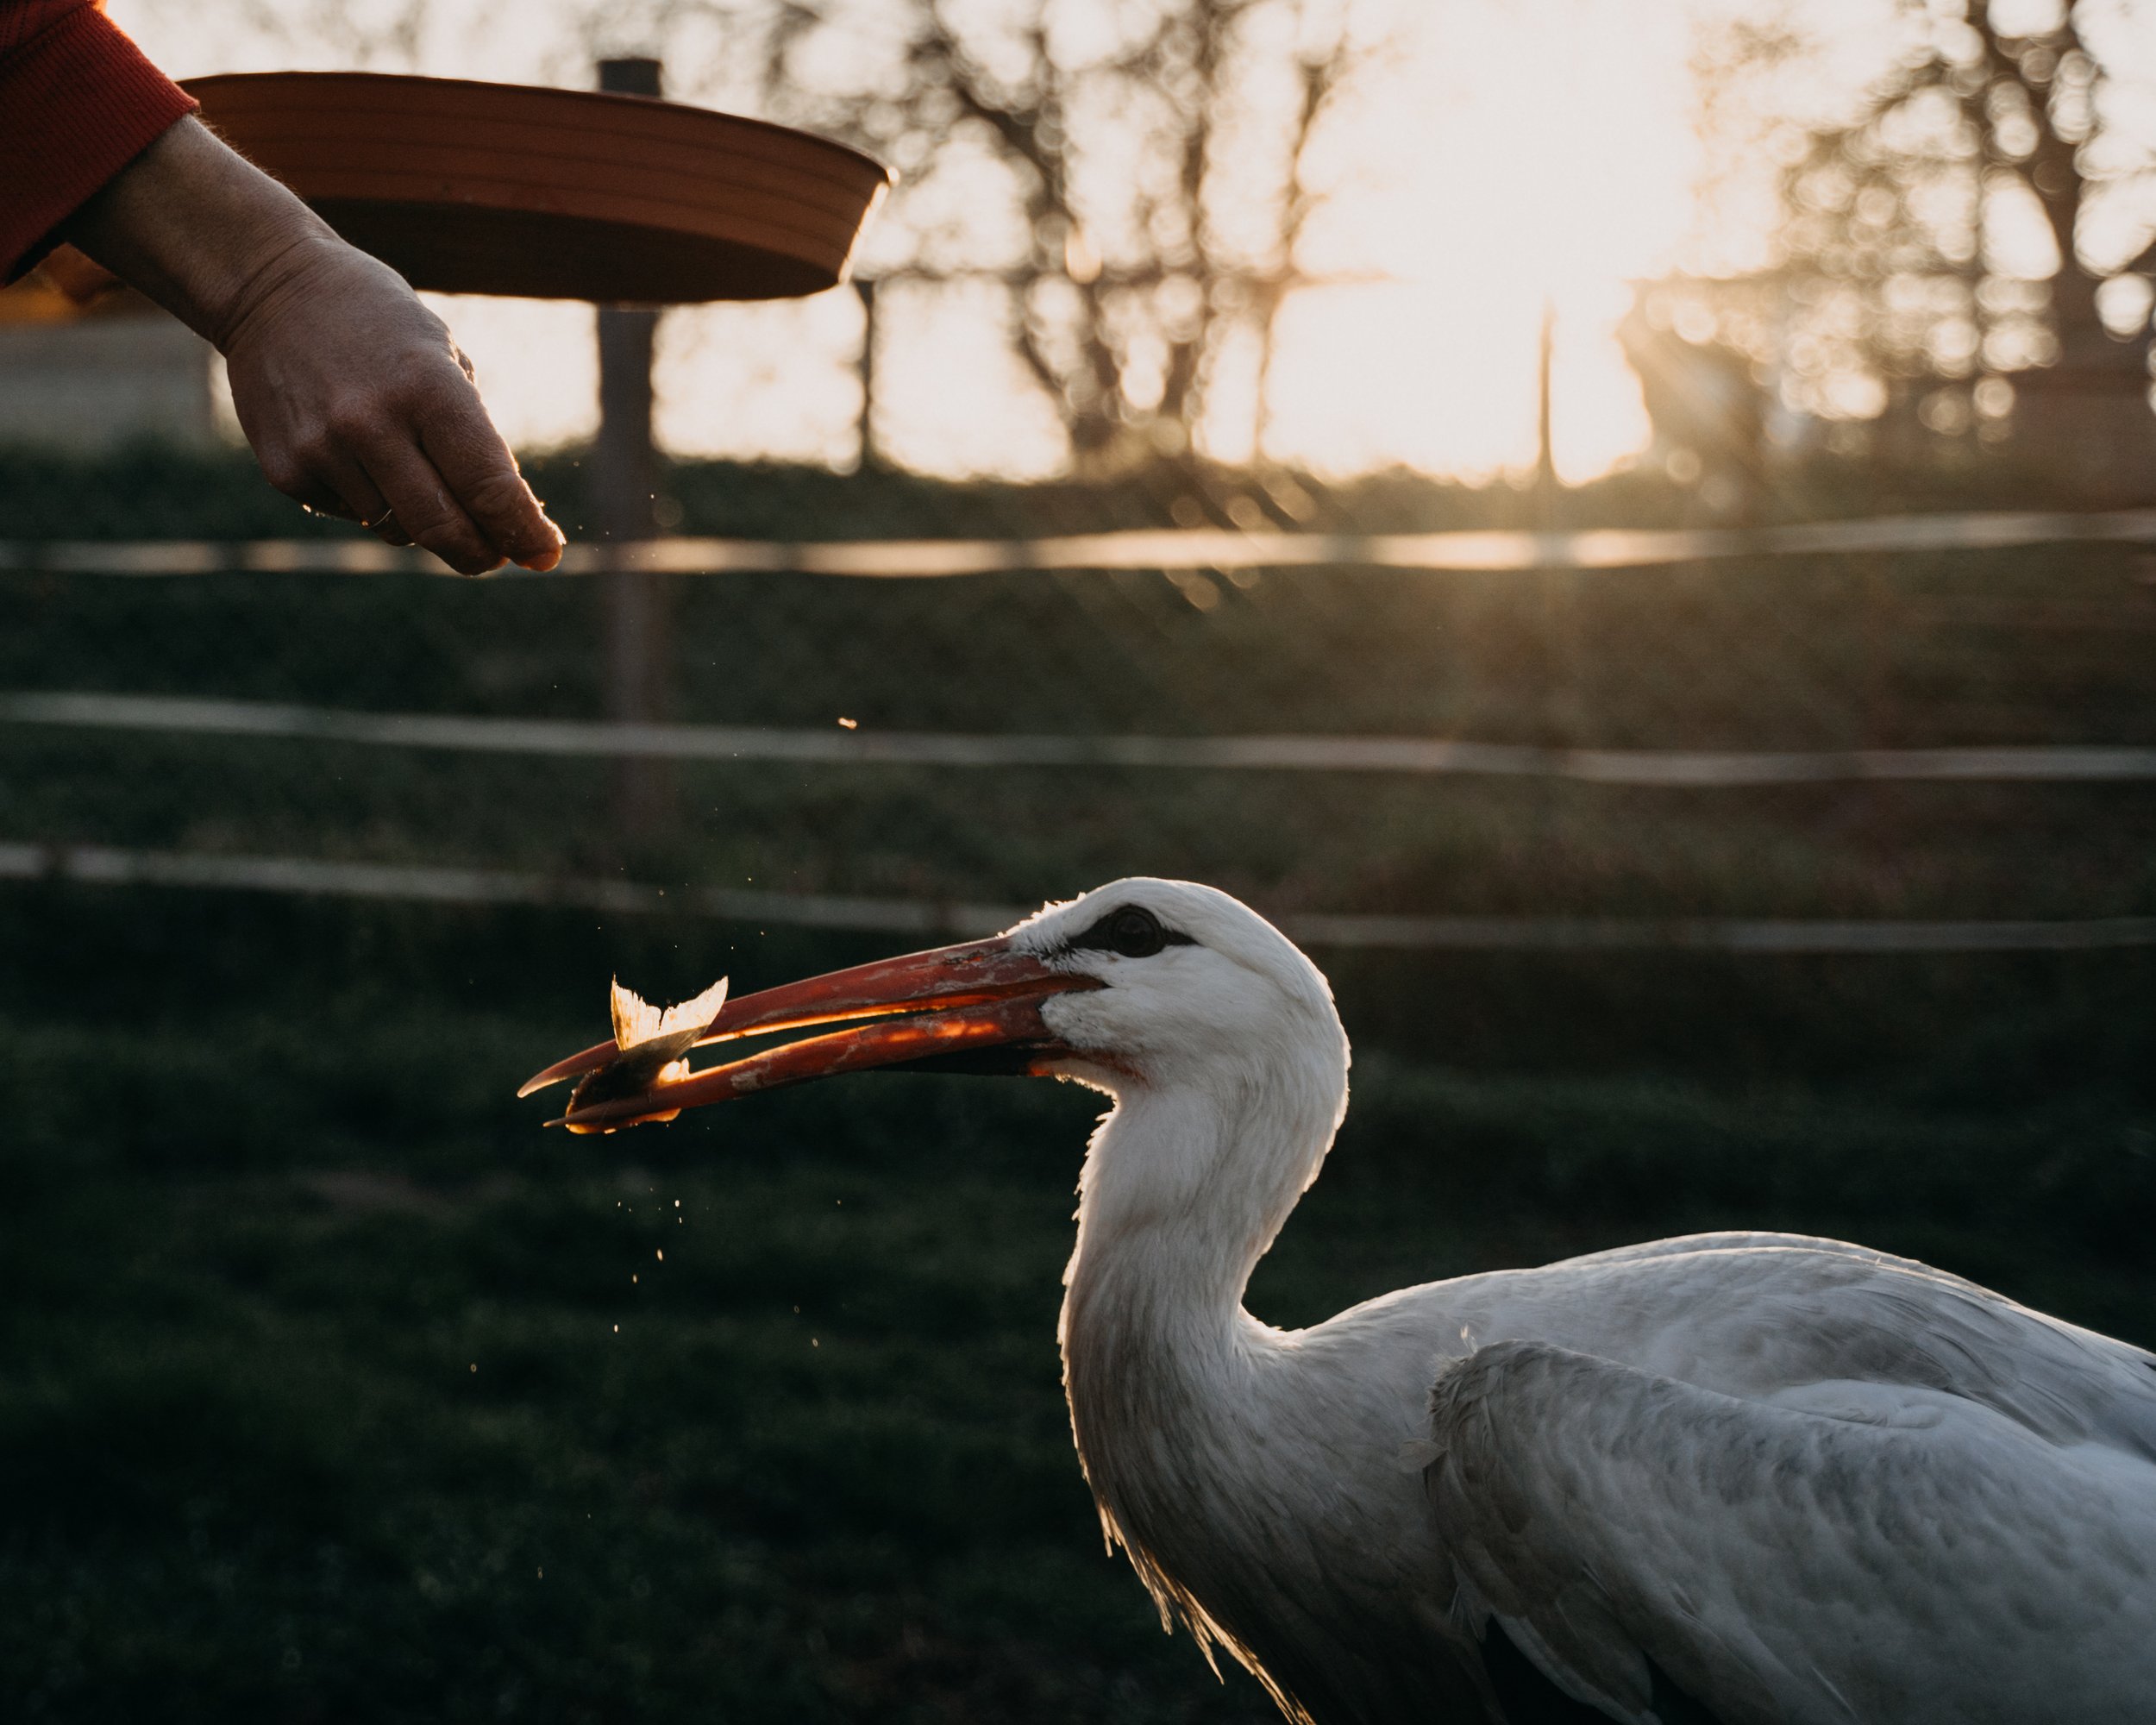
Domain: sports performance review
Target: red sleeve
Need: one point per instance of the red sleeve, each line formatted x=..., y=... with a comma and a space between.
x=77, y=103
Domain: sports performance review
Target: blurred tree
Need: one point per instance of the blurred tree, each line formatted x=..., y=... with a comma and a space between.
x=374, y=34
x=1136, y=177
x=1914, y=232
x=1133, y=178
x=1972, y=122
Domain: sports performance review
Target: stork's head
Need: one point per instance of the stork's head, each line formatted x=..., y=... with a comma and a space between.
x=1187, y=986
x=1144, y=984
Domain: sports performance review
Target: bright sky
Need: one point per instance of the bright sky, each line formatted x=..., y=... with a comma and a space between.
x=1536, y=150
x=1521, y=150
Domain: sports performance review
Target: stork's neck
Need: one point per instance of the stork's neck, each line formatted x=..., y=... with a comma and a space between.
x=1254, y=1483
x=1184, y=1189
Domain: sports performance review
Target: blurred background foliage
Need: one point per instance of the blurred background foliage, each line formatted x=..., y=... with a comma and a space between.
x=1321, y=232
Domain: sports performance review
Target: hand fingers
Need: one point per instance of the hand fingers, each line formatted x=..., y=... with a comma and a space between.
x=468, y=452
x=420, y=463
x=365, y=501
x=351, y=497
x=427, y=511
x=382, y=524
x=387, y=528
x=361, y=465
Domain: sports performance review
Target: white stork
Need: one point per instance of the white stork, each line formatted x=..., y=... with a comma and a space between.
x=1738, y=1477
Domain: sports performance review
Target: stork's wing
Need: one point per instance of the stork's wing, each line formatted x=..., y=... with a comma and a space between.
x=1666, y=1553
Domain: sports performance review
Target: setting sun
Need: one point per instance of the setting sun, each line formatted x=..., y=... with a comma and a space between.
x=1507, y=182
x=1468, y=183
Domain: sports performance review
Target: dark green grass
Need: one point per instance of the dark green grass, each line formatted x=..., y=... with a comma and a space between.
x=269, y=1199
x=2047, y=644
x=1285, y=842
x=271, y=1202
x=150, y=491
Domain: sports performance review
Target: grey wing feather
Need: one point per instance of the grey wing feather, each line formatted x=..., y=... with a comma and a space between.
x=1783, y=1565
x=1764, y=1314
x=1733, y=1239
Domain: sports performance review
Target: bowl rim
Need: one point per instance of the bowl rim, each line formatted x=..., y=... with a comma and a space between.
x=417, y=83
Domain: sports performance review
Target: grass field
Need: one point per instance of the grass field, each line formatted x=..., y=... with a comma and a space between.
x=315, y=1405
x=333, y=1388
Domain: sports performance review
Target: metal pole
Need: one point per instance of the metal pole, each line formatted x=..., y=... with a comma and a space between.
x=625, y=481
x=870, y=459
x=1546, y=491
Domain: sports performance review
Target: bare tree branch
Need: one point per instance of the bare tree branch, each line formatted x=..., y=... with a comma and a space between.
x=1148, y=286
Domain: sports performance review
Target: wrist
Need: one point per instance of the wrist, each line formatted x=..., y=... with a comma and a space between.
x=283, y=271
x=202, y=231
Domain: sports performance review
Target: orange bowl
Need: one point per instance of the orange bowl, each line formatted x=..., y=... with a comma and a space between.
x=553, y=194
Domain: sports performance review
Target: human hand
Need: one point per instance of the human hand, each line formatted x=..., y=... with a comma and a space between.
x=357, y=404
x=354, y=399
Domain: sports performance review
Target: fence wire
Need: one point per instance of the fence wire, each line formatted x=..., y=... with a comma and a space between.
x=1934, y=728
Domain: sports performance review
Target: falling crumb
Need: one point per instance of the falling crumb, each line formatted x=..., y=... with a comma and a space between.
x=632, y=1277
x=814, y=1343
x=660, y=1255
x=618, y=1329
x=849, y=725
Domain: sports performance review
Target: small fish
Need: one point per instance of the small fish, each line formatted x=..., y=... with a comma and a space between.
x=638, y=1024
x=653, y=1043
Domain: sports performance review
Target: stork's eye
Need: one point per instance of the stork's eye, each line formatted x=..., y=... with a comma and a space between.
x=1133, y=932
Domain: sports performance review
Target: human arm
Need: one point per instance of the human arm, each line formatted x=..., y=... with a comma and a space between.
x=351, y=392
x=356, y=401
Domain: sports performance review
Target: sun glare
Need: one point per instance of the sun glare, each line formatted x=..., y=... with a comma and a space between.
x=1515, y=153
x=1512, y=180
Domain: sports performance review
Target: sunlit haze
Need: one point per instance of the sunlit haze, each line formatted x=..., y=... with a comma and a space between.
x=1513, y=153
x=1531, y=152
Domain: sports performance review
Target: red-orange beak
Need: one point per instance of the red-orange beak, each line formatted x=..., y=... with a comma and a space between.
x=947, y=1004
